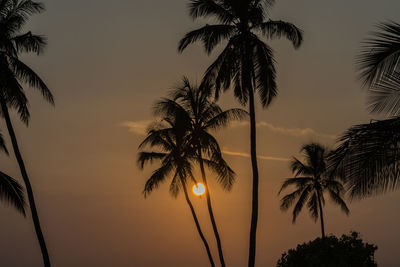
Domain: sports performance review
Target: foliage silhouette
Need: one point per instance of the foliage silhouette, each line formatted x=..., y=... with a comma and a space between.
x=367, y=155
x=380, y=54
x=176, y=156
x=14, y=15
x=347, y=251
x=246, y=63
x=11, y=192
x=312, y=180
x=201, y=116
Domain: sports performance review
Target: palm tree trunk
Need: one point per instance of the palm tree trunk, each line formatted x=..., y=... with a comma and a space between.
x=210, y=211
x=197, y=224
x=253, y=153
x=35, y=217
x=321, y=214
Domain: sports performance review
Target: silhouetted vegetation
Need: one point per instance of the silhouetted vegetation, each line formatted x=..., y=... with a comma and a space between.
x=200, y=116
x=311, y=180
x=367, y=155
x=11, y=192
x=175, y=156
x=246, y=64
x=347, y=251
x=14, y=14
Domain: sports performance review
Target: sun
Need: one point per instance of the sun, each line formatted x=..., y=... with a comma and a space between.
x=199, y=189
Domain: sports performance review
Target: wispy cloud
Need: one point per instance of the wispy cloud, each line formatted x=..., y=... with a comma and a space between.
x=297, y=132
x=137, y=127
x=246, y=155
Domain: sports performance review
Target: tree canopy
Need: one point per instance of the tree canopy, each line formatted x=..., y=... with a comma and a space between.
x=346, y=251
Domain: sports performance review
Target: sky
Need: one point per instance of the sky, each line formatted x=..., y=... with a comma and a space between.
x=107, y=62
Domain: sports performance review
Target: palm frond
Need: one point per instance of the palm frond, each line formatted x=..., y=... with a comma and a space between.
x=338, y=199
x=299, y=182
x=380, y=54
x=13, y=93
x=264, y=72
x=299, y=168
x=384, y=95
x=12, y=192
x=3, y=144
x=289, y=199
x=28, y=7
x=225, y=175
x=301, y=201
x=210, y=35
x=224, y=69
x=313, y=206
x=158, y=137
x=175, y=185
x=207, y=8
x=277, y=29
x=170, y=108
x=29, y=43
x=26, y=74
x=367, y=158
x=156, y=178
x=149, y=157
x=223, y=118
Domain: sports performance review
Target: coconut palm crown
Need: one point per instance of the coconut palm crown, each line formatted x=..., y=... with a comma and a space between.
x=246, y=64
x=176, y=157
x=312, y=179
x=202, y=116
x=14, y=75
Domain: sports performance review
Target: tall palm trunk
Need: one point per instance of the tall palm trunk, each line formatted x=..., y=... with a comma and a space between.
x=35, y=217
x=197, y=224
x=321, y=214
x=210, y=211
x=253, y=153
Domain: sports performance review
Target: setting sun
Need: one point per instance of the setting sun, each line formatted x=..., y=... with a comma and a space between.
x=199, y=189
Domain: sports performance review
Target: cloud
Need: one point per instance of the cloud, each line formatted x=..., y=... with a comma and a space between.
x=246, y=155
x=297, y=132
x=137, y=127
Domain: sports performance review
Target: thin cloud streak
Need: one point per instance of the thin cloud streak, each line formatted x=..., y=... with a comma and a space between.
x=246, y=155
x=297, y=132
x=137, y=127
x=140, y=127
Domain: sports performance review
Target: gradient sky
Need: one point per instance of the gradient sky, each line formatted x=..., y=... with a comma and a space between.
x=107, y=62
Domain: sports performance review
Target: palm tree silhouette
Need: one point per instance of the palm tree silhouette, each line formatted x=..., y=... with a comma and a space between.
x=246, y=63
x=176, y=156
x=312, y=179
x=202, y=115
x=13, y=72
x=368, y=154
x=11, y=191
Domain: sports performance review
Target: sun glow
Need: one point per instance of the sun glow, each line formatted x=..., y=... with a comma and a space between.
x=199, y=189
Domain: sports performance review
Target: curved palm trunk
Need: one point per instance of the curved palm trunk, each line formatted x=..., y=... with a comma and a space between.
x=321, y=214
x=35, y=217
x=211, y=213
x=253, y=153
x=197, y=224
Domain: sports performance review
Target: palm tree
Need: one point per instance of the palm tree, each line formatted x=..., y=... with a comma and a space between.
x=202, y=116
x=312, y=179
x=13, y=73
x=246, y=63
x=176, y=156
x=367, y=156
x=11, y=191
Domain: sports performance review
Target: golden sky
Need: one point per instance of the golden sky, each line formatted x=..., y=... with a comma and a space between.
x=107, y=62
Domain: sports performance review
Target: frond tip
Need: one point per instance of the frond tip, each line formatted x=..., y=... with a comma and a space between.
x=12, y=192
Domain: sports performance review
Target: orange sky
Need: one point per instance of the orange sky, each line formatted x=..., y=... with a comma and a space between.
x=107, y=62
